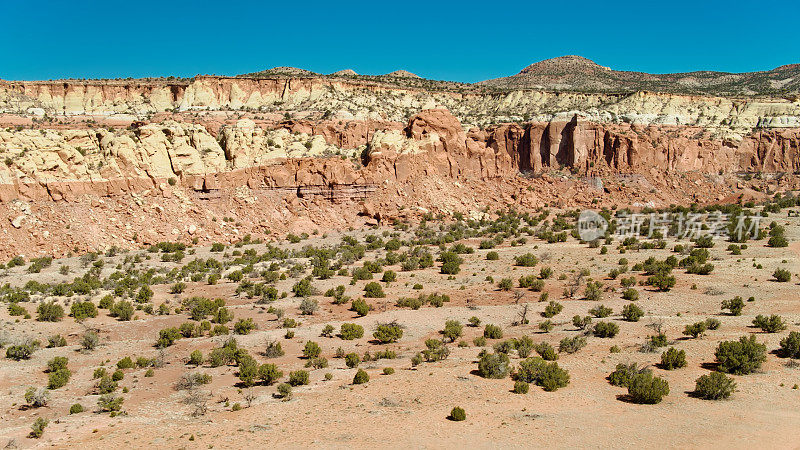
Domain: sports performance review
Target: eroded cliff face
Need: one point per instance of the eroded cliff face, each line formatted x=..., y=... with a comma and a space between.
x=99, y=163
x=63, y=163
x=354, y=99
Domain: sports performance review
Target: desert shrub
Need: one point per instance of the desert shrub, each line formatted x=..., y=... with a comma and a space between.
x=298, y=378
x=521, y=387
x=125, y=363
x=106, y=384
x=546, y=351
x=623, y=373
x=714, y=386
x=388, y=370
x=492, y=256
x=526, y=260
x=352, y=360
x=122, y=310
x=505, y=284
x=491, y=331
x=493, y=365
x=118, y=375
x=435, y=350
x=273, y=349
x=782, y=275
x=771, y=324
x=37, y=429
x=452, y=330
x=524, y=346
x=49, y=312
x=196, y=358
x=37, y=397
x=360, y=306
x=285, y=391
x=632, y=313
x=303, y=288
x=734, y=305
x=547, y=375
x=673, y=359
x=350, y=331
x=83, y=310
x=601, y=311
x=387, y=333
x=457, y=414
x=77, y=408
x=777, y=241
x=645, y=388
x=311, y=349
x=696, y=329
x=740, y=357
x=713, y=323
x=361, y=377
x=479, y=341
x=15, y=309
x=109, y=403
x=56, y=341
x=244, y=326
x=571, y=345
x=630, y=294
x=552, y=309
x=167, y=337
x=581, y=322
x=605, y=329
x=546, y=326
x=269, y=373
x=308, y=306
x=661, y=281
x=790, y=345
x=389, y=276
x=373, y=290
x=21, y=351
x=450, y=263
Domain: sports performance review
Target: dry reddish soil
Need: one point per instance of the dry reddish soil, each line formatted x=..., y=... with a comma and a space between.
x=409, y=408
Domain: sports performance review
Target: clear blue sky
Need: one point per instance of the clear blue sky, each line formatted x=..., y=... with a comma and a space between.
x=462, y=41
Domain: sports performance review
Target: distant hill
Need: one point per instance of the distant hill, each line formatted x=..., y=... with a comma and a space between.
x=575, y=73
x=278, y=72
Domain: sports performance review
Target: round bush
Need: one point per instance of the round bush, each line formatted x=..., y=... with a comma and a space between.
x=644, y=388
x=457, y=414
x=714, y=386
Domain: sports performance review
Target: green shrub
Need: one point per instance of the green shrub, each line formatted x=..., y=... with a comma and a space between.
x=734, y=305
x=630, y=294
x=547, y=375
x=37, y=397
x=571, y=345
x=122, y=310
x=167, y=337
x=109, y=402
x=387, y=333
x=389, y=276
x=388, y=370
x=361, y=377
x=20, y=352
x=645, y=388
x=492, y=331
x=125, y=363
x=77, y=408
x=740, y=357
x=14, y=309
x=311, y=349
x=37, y=429
x=790, y=345
x=673, y=359
x=552, y=309
x=581, y=322
x=782, y=275
x=632, y=313
x=56, y=341
x=351, y=331
x=601, y=311
x=196, y=358
x=714, y=386
x=269, y=373
x=285, y=391
x=545, y=350
x=58, y=378
x=244, y=326
x=622, y=375
x=492, y=256
x=352, y=360
x=457, y=414
x=605, y=329
x=696, y=329
x=771, y=324
x=360, y=306
x=452, y=330
x=521, y=387
x=49, y=312
x=298, y=378
x=493, y=365
x=526, y=260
